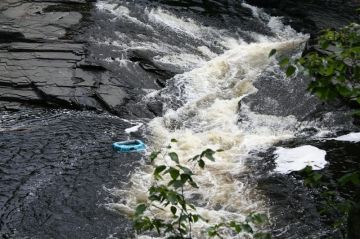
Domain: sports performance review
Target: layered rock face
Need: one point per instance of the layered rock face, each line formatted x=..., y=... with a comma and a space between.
x=42, y=63
x=45, y=61
x=37, y=65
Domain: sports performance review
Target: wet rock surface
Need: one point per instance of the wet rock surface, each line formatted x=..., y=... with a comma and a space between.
x=56, y=165
x=44, y=62
x=312, y=16
x=55, y=168
x=282, y=96
x=294, y=208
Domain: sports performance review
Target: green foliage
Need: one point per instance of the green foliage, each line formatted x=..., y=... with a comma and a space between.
x=334, y=66
x=331, y=203
x=167, y=193
x=272, y=52
x=242, y=227
x=312, y=178
x=352, y=177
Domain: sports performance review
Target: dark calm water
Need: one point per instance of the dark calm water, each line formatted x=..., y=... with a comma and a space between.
x=55, y=167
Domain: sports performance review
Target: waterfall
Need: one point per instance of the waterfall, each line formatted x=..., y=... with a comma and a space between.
x=216, y=70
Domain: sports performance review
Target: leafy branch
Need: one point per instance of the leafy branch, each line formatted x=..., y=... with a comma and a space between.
x=167, y=194
x=331, y=203
x=334, y=68
x=334, y=65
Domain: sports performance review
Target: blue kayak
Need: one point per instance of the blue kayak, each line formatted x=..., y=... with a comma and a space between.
x=129, y=146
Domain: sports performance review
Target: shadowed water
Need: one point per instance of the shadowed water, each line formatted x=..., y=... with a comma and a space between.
x=55, y=167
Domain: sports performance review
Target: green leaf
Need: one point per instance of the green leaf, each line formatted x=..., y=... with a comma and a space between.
x=176, y=183
x=193, y=184
x=317, y=177
x=185, y=177
x=290, y=70
x=172, y=197
x=258, y=218
x=284, y=62
x=192, y=207
x=201, y=163
x=195, y=157
x=328, y=70
x=174, y=173
x=307, y=170
x=262, y=235
x=247, y=228
x=174, y=157
x=154, y=155
x=185, y=169
x=344, y=91
x=356, y=113
x=173, y=141
x=140, y=209
x=212, y=232
x=173, y=210
x=324, y=44
x=232, y=224
x=208, y=153
x=154, y=198
x=272, y=52
x=158, y=170
x=237, y=228
x=353, y=177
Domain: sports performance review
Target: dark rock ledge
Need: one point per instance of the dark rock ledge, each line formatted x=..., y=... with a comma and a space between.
x=311, y=16
x=42, y=64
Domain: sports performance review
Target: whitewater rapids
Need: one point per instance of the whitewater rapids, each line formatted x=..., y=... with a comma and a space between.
x=211, y=83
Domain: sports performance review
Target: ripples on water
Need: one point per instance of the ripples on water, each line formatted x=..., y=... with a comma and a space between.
x=54, y=169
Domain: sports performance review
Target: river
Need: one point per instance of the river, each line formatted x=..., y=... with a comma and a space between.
x=196, y=71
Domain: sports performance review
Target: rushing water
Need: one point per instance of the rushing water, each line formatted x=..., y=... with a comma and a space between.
x=215, y=69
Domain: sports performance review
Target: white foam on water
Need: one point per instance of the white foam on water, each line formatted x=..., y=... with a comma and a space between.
x=281, y=30
x=211, y=87
x=294, y=159
x=351, y=137
x=183, y=57
x=114, y=9
x=134, y=128
x=183, y=25
x=186, y=61
x=255, y=11
x=120, y=11
x=205, y=51
x=209, y=119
